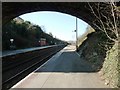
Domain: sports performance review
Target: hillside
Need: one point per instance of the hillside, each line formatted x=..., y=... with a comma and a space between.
x=102, y=53
x=25, y=35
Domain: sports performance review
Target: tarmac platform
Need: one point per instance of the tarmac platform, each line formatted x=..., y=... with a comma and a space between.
x=64, y=70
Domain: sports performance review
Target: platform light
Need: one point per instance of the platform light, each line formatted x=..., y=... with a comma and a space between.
x=11, y=40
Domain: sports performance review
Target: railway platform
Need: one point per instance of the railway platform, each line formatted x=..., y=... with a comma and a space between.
x=64, y=70
x=14, y=52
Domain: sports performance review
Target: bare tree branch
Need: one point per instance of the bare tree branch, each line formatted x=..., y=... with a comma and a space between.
x=110, y=22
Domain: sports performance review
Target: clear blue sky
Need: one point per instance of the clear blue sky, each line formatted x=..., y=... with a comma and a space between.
x=59, y=24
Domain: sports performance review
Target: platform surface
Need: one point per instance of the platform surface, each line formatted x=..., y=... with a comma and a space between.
x=64, y=70
x=14, y=52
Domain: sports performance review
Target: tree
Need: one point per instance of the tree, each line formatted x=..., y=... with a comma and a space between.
x=107, y=18
x=50, y=34
x=43, y=28
x=25, y=34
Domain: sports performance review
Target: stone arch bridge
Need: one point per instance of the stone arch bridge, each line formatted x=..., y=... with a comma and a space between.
x=82, y=10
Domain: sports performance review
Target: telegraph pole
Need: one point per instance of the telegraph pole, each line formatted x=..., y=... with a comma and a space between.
x=76, y=34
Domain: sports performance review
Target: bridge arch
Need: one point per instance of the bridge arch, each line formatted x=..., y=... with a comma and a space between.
x=79, y=10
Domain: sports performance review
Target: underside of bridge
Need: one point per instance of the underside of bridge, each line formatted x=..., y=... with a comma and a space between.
x=81, y=10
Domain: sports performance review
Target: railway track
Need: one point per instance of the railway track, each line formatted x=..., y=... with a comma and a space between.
x=14, y=73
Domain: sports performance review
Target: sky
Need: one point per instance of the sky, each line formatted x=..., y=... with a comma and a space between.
x=59, y=24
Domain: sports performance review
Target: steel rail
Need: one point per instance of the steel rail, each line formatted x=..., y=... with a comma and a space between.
x=30, y=67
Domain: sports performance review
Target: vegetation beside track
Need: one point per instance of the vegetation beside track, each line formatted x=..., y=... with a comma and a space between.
x=104, y=56
x=25, y=35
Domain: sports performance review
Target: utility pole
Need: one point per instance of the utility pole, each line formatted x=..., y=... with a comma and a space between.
x=76, y=34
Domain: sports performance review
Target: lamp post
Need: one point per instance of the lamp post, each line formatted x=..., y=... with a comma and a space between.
x=11, y=43
x=11, y=40
x=76, y=34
